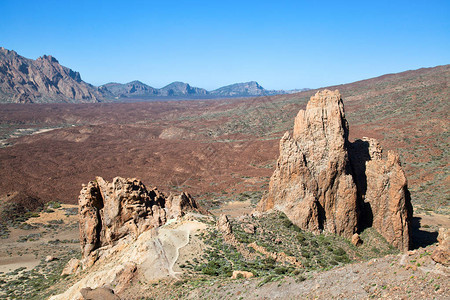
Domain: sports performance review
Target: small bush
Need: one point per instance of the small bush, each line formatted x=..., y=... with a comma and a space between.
x=339, y=252
x=300, y=237
x=281, y=270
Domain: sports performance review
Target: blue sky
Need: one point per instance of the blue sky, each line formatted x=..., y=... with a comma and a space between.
x=280, y=44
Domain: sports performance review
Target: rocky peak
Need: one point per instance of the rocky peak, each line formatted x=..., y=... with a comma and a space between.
x=41, y=80
x=4, y=51
x=323, y=182
x=48, y=58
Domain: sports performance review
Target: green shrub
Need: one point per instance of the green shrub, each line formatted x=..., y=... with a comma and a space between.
x=339, y=252
x=280, y=270
x=300, y=237
x=305, y=253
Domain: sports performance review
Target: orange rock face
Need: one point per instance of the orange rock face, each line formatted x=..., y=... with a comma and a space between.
x=322, y=182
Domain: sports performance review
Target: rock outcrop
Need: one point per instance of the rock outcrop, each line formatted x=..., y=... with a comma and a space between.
x=322, y=182
x=24, y=80
x=224, y=225
x=111, y=210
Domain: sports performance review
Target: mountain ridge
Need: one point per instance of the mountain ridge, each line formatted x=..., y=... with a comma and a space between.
x=24, y=80
x=182, y=89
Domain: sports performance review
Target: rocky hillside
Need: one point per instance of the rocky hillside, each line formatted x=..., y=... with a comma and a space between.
x=24, y=80
x=137, y=243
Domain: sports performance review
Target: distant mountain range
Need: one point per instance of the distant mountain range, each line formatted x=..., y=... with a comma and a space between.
x=24, y=80
x=139, y=90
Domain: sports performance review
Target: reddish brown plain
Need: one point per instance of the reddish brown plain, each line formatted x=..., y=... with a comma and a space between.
x=217, y=148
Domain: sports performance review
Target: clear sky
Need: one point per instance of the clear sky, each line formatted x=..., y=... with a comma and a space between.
x=280, y=44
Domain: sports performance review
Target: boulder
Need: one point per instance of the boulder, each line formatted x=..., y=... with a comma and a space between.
x=386, y=201
x=249, y=228
x=356, y=240
x=322, y=182
x=71, y=267
x=442, y=252
x=241, y=274
x=50, y=258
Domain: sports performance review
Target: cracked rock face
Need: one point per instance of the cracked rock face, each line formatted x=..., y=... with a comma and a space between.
x=322, y=182
x=111, y=210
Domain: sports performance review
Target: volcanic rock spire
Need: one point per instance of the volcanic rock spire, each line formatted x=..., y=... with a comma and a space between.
x=321, y=181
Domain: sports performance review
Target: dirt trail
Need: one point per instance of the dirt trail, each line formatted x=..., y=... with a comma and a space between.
x=168, y=244
x=154, y=253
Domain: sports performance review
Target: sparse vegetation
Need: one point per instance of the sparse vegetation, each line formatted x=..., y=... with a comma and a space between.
x=33, y=284
x=277, y=234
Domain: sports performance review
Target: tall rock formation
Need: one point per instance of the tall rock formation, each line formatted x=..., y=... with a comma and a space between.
x=322, y=182
x=24, y=80
x=111, y=210
x=383, y=196
x=311, y=183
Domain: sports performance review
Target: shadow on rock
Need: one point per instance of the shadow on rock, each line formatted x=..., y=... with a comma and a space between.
x=421, y=238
